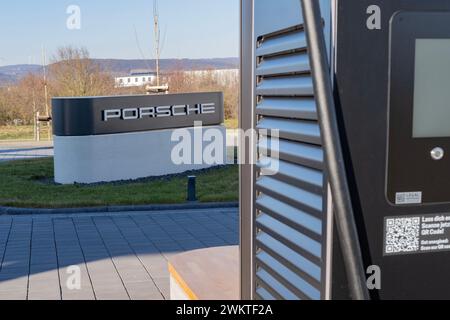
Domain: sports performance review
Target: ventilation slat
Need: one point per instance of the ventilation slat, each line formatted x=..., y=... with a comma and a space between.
x=284, y=64
x=263, y=294
x=303, y=177
x=290, y=237
x=282, y=43
x=290, y=258
x=291, y=216
x=261, y=283
x=287, y=277
x=297, y=108
x=300, y=153
x=309, y=202
x=286, y=86
x=274, y=286
x=302, y=131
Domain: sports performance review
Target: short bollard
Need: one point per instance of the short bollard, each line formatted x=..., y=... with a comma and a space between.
x=191, y=189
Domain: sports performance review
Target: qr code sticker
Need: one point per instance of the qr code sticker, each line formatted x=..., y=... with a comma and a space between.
x=408, y=198
x=402, y=235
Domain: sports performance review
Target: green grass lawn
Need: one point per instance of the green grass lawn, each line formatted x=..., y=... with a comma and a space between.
x=22, y=132
x=28, y=184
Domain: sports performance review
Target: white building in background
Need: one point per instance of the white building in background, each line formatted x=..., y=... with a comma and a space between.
x=137, y=78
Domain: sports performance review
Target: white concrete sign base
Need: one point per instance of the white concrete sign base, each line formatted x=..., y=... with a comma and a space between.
x=129, y=156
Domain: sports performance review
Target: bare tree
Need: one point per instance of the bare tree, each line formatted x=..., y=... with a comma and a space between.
x=19, y=101
x=196, y=81
x=73, y=73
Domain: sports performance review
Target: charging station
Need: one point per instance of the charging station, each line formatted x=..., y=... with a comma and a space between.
x=389, y=73
x=393, y=95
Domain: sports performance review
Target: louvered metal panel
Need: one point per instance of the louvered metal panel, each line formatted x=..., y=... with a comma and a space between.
x=282, y=42
x=285, y=86
x=290, y=258
x=263, y=294
x=297, y=175
x=299, y=153
x=277, y=289
x=297, y=241
x=290, y=208
x=294, y=108
x=287, y=277
x=289, y=193
x=286, y=63
x=305, y=131
x=298, y=219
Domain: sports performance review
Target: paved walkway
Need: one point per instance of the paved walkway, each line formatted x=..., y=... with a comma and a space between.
x=103, y=256
x=25, y=150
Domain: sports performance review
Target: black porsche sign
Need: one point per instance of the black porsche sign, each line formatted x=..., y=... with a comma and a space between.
x=122, y=114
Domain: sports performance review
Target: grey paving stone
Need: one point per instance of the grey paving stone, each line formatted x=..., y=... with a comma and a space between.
x=42, y=268
x=16, y=270
x=51, y=291
x=78, y=295
x=43, y=260
x=15, y=284
x=213, y=242
x=13, y=295
x=192, y=245
x=163, y=247
x=108, y=296
x=144, y=291
x=163, y=285
x=43, y=295
x=129, y=277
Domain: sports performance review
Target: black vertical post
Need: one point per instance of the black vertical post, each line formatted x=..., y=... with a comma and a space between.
x=191, y=191
x=344, y=216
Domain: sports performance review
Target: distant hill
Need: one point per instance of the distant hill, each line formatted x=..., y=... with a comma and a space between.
x=20, y=69
x=6, y=79
x=12, y=74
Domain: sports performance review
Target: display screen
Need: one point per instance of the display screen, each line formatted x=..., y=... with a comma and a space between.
x=432, y=89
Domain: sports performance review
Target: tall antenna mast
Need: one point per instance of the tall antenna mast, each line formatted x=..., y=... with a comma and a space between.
x=157, y=38
x=44, y=63
x=47, y=117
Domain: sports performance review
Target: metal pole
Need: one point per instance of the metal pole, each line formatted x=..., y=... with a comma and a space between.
x=157, y=39
x=34, y=118
x=47, y=109
x=246, y=170
x=38, y=129
x=50, y=130
x=192, y=192
x=344, y=216
x=44, y=62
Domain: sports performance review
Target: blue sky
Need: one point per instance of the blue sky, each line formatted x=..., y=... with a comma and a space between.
x=191, y=28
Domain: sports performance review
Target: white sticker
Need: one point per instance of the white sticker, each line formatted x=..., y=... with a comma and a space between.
x=408, y=198
x=417, y=234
